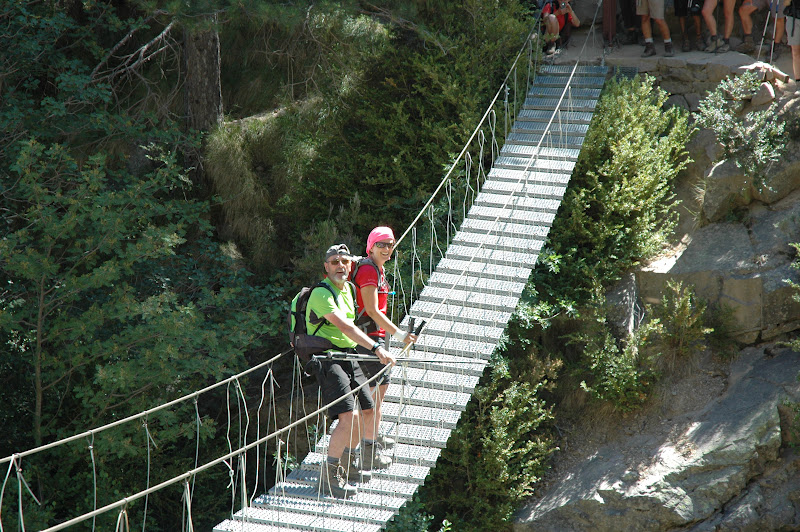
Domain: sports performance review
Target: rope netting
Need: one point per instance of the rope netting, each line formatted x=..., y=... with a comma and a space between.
x=253, y=433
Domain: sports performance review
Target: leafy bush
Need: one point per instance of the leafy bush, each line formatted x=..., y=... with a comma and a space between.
x=620, y=372
x=682, y=328
x=618, y=208
x=754, y=140
x=795, y=344
x=498, y=452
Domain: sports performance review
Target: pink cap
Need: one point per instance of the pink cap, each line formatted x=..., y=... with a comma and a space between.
x=378, y=234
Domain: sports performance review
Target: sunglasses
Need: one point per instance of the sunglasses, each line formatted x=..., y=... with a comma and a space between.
x=385, y=245
x=335, y=262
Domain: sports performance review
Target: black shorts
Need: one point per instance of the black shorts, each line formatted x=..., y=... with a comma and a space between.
x=371, y=369
x=338, y=378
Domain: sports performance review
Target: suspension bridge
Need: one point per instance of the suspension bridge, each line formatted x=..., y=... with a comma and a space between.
x=472, y=289
x=467, y=303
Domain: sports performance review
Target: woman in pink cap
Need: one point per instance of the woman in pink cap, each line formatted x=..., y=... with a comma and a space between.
x=372, y=295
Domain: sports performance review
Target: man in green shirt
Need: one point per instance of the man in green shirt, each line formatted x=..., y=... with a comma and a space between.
x=338, y=379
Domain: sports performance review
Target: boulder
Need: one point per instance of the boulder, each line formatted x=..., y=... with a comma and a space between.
x=744, y=269
x=659, y=480
x=726, y=187
x=783, y=177
x=765, y=95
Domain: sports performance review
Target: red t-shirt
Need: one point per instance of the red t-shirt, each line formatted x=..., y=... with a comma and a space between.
x=367, y=275
x=562, y=19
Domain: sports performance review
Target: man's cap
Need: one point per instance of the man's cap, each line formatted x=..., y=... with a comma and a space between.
x=337, y=249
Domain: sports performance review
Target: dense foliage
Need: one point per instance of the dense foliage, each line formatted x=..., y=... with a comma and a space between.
x=753, y=140
x=125, y=285
x=115, y=296
x=380, y=123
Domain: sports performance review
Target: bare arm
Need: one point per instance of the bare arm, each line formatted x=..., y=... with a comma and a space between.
x=369, y=294
x=571, y=14
x=349, y=329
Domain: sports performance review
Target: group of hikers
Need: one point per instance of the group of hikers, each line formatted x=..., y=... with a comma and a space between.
x=348, y=309
x=558, y=18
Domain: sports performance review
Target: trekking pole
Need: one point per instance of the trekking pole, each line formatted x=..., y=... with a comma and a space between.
x=764, y=33
x=355, y=357
x=774, y=28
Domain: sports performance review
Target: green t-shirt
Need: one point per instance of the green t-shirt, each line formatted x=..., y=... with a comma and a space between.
x=321, y=302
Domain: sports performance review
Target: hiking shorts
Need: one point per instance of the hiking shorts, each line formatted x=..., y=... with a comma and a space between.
x=792, y=32
x=371, y=369
x=654, y=8
x=766, y=4
x=338, y=378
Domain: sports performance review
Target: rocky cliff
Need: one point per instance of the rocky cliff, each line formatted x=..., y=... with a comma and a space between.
x=713, y=451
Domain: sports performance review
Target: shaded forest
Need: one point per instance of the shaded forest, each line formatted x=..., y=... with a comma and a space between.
x=170, y=173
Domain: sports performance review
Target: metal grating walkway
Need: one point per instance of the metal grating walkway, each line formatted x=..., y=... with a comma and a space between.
x=467, y=303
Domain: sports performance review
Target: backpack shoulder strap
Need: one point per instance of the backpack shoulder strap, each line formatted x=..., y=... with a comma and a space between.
x=322, y=284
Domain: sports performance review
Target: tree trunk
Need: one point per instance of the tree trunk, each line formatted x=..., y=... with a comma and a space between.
x=202, y=88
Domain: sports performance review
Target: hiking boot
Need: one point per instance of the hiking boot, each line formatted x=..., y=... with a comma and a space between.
x=551, y=49
x=669, y=51
x=385, y=442
x=701, y=43
x=371, y=457
x=649, y=50
x=353, y=471
x=685, y=45
x=747, y=46
x=723, y=46
x=332, y=482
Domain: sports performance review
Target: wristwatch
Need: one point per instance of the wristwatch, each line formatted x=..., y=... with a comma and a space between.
x=375, y=347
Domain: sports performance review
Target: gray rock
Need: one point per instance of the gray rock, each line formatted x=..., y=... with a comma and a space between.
x=678, y=100
x=765, y=95
x=624, y=310
x=726, y=187
x=688, y=477
x=694, y=101
x=783, y=177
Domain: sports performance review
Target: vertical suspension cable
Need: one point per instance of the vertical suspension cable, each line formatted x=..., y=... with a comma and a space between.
x=148, y=439
x=198, y=422
x=94, y=479
x=11, y=464
x=122, y=520
x=187, y=496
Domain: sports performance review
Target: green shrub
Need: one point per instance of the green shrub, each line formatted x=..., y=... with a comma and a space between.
x=618, y=208
x=682, y=329
x=795, y=344
x=619, y=374
x=498, y=452
x=753, y=140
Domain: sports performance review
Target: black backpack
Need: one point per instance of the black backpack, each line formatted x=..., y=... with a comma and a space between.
x=695, y=7
x=306, y=344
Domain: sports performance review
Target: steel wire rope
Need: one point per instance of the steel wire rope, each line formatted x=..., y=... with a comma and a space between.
x=472, y=136
x=258, y=433
x=149, y=439
x=209, y=464
x=534, y=156
x=94, y=480
x=122, y=524
x=143, y=413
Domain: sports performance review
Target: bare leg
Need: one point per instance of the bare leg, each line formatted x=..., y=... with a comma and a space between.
x=647, y=29
x=663, y=28
x=796, y=61
x=708, y=16
x=727, y=11
x=346, y=434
